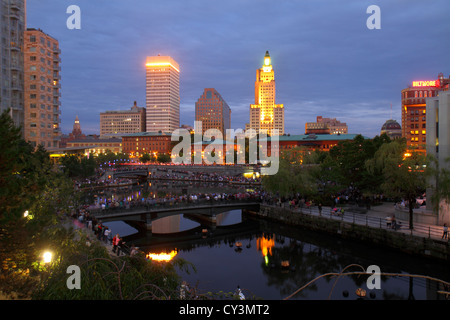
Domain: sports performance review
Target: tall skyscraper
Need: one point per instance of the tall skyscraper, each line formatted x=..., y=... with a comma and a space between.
x=162, y=94
x=12, y=24
x=42, y=89
x=265, y=115
x=213, y=111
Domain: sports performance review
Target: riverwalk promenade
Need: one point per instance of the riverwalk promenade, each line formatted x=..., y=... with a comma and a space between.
x=367, y=225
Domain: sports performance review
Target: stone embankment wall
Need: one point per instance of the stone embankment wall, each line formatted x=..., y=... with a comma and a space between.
x=422, y=246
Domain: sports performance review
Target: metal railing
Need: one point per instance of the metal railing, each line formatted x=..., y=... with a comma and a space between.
x=149, y=206
x=364, y=219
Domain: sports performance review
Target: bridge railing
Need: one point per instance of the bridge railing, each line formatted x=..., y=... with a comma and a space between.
x=148, y=206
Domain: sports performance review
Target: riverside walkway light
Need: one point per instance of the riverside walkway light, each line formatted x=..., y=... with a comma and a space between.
x=47, y=257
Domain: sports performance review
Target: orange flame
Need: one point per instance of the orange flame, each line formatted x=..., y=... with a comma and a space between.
x=163, y=256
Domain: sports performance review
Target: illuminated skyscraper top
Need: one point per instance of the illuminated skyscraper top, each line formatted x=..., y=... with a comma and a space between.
x=265, y=115
x=162, y=94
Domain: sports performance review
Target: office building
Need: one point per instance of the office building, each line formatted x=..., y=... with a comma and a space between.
x=438, y=145
x=326, y=126
x=414, y=110
x=12, y=24
x=42, y=89
x=154, y=143
x=115, y=123
x=96, y=146
x=265, y=115
x=213, y=112
x=162, y=94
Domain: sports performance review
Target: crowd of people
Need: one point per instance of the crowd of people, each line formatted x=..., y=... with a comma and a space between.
x=101, y=232
x=205, y=177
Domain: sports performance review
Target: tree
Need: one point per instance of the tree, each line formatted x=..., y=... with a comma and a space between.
x=78, y=166
x=146, y=157
x=439, y=182
x=297, y=173
x=163, y=158
x=403, y=173
x=346, y=163
x=29, y=183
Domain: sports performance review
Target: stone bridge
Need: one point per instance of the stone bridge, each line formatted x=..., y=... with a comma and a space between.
x=141, y=216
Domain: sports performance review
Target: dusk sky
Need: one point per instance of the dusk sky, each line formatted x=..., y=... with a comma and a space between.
x=326, y=61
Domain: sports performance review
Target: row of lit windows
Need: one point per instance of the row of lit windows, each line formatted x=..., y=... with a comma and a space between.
x=151, y=138
x=417, y=132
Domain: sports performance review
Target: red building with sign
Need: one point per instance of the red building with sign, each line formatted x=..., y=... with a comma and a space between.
x=414, y=109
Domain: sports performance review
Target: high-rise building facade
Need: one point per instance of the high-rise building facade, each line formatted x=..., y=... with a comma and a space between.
x=213, y=111
x=265, y=114
x=12, y=24
x=438, y=145
x=113, y=123
x=414, y=110
x=162, y=94
x=42, y=89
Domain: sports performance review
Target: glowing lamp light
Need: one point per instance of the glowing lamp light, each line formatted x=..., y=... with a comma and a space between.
x=161, y=64
x=47, y=257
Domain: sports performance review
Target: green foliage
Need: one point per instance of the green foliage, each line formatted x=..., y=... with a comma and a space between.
x=297, y=173
x=104, y=277
x=29, y=182
x=110, y=157
x=402, y=176
x=163, y=158
x=146, y=158
x=76, y=166
x=23, y=170
x=439, y=176
x=346, y=163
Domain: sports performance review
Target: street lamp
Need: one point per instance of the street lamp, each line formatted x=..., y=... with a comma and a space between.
x=47, y=257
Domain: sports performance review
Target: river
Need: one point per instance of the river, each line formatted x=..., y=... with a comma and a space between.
x=250, y=253
x=256, y=266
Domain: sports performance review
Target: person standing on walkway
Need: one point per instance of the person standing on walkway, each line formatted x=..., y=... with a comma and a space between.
x=115, y=242
x=119, y=246
x=444, y=235
x=320, y=209
x=106, y=234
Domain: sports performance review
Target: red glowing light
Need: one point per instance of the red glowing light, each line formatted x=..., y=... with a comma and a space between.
x=429, y=83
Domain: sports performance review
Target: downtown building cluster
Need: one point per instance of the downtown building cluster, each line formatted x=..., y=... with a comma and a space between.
x=30, y=76
x=30, y=87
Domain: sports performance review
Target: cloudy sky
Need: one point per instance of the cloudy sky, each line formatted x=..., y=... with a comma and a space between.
x=326, y=61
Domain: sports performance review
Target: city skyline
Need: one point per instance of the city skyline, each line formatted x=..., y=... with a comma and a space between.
x=328, y=62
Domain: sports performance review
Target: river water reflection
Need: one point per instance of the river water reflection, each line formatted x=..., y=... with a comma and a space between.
x=256, y=265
